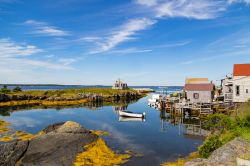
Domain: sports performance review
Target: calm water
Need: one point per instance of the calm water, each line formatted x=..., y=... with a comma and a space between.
x=159, y=138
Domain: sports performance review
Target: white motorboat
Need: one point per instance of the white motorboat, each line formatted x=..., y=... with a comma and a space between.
x=132, y=114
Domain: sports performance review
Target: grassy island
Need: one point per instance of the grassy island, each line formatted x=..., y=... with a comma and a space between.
x=64, y=97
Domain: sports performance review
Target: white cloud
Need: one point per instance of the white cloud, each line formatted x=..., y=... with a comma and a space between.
x=67, y=61
x=124, y=33
x=146, y=2
x=9, y=48
x=170, y=45
x=196, y=9
x=18, y=55
x=90, y=39
x=238, y=1
x=129, y=51
x=43, y=28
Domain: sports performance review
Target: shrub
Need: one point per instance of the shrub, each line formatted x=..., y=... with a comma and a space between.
x=211, y=143
x=5, y=89
x=218, y=122
x=17, y=89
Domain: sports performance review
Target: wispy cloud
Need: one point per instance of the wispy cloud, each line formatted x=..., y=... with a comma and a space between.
x=238, y=1
x=124, y=33
x=44, y=29
x=175, y=44
x=9, y=48
x=232, y=45
x=18, y=55
x=190, y=9
x=67, y=61
x=129, y=51
x=147, y=2
x=187, y=62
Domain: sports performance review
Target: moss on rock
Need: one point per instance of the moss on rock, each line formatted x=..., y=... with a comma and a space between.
x=99, y=154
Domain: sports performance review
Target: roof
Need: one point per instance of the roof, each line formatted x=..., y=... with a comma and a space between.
x=197, y=80
x=199, y=87
x=241, y=69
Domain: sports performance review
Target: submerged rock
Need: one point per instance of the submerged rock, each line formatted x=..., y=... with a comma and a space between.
x=58, y=146
x=225, y=155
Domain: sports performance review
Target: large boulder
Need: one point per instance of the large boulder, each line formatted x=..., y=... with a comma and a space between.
x=225, y=155
x=58, y=146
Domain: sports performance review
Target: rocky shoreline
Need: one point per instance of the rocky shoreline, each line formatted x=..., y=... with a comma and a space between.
x=79, y=96
x=26, y=99
x=60, y=144
x=225, y=155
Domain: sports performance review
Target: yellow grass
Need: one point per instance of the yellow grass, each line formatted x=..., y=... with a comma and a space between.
x=43, y=102
x=100, y=132
x=6, y=139
x=182, y=161
x=99, y=154
x=4, y=127
x=6, y=136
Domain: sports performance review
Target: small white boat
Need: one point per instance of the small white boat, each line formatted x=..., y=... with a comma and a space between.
x=129, y=119
x=132, y=114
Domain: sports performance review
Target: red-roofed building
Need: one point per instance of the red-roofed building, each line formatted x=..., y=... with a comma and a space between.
x=237, y=88
x=241, y=70
x=199, y=93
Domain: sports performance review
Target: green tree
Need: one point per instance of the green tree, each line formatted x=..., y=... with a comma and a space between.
x=5, y=89
x=17, y=89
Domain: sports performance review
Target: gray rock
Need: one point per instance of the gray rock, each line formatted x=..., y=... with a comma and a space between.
x=58, y=147
x=196, y=162
x=225, y=155
x=53, y=127
x=11, y=153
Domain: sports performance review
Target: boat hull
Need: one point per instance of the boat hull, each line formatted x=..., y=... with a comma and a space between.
x=130, y=114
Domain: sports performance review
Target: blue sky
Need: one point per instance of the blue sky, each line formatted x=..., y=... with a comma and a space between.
x=143, y=42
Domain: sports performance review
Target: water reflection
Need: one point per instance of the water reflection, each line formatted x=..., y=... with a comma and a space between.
x=191, y=125
x=162, y=137
x=119, y=104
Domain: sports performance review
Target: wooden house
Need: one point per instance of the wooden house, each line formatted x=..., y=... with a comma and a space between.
x=238, y=86
x=199, y=90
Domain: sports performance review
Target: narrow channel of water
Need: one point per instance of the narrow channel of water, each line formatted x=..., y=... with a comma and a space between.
x=159, y=138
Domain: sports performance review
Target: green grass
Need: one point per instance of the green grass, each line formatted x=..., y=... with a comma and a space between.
x=225, y=128
x=73, y=92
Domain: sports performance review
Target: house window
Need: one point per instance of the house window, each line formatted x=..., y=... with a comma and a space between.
x=237, y=90
x=196, y=96
x=246, y=90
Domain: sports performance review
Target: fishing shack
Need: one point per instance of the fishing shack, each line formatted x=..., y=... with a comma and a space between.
x=199, y=90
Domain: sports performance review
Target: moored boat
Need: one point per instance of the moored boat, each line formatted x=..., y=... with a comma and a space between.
x=132, y=114
x=131, y=119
